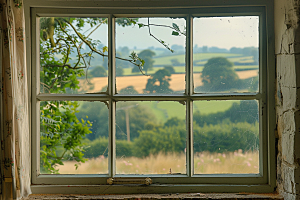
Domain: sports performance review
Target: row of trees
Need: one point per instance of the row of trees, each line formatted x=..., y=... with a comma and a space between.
x=142, y=117
x=233, y=129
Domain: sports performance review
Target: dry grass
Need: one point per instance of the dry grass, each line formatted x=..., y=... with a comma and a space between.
x=204, y=163
x=177, y=82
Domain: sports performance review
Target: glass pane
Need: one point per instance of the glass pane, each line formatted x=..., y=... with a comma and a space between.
x=226, y=54
x=150, y=138
x=73, y=137
x=160, y=43
x=226, y=137
x=73, y=55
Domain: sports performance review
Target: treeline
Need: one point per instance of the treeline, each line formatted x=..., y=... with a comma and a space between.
x=228, y=131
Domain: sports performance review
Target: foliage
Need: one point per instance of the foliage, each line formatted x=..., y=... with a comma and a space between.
x=119, y=71
x=161, y=76
x=98, y=71
x=61, y=128
x=97, y=113
x=226, y=137
x=161, y=139
x=175, y=62
x=139, y=116
x=245, y=111
x=218, y=75
x=170, y=68
x=99, y=147
x=128, y=90
x=147, y=56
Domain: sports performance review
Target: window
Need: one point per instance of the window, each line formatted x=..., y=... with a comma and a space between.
x=178, y=99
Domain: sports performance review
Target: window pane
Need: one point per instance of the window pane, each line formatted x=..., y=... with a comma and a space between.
x=73, y=55
x=73, y=137
x=226, y=137
x=150, y=138
x=226, y=54
x=160, y=43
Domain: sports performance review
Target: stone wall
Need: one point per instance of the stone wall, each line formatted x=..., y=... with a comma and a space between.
x=287, y=50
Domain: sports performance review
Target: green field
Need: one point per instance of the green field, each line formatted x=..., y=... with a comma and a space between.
x=201, y=56
x=197, y=69
x=166, y=110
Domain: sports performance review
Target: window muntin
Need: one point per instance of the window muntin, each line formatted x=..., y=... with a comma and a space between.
x=255, y=179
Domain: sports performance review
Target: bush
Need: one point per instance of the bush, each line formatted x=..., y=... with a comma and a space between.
x=226, y=137
x=99, y=147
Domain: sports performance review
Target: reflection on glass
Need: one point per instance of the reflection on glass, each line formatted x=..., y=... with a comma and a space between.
x=73, y=137
x=150, y=138
x=226, y=137
x=226, y=54
x=163, y=52
x=69, y=62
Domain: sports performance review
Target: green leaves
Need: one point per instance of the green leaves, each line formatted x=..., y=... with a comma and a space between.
x=176, y=27
x=62, y=134
x=175, y=33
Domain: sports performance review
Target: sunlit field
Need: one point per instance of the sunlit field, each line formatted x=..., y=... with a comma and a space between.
x=204, y=163
x=139, y=82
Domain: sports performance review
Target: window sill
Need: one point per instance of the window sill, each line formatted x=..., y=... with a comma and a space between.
x=189, y=196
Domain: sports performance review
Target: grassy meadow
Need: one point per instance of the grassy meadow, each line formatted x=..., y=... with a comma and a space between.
x=237, y=162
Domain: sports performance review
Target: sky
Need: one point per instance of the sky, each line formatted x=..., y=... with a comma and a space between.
x=222, y=32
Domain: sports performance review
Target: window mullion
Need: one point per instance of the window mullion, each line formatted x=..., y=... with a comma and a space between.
x=189, y=92
x=111, y=92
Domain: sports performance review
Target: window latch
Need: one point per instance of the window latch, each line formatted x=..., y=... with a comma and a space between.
x=123, y=181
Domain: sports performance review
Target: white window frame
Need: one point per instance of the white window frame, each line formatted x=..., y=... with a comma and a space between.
x=262, y=182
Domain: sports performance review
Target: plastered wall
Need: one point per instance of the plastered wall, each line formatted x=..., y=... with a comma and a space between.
x=287, y=50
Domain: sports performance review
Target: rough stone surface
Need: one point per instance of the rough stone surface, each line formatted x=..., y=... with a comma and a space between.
x=287, y=48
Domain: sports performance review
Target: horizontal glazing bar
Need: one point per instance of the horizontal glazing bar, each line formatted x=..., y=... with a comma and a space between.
x=103, y=97
x=162, y=12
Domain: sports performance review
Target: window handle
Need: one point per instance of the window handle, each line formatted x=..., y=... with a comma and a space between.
x=123, y=181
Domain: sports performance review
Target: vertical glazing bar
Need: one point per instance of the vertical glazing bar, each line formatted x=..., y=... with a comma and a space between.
x=111, y=91
x=261, y=88
x=189, y=91
x=263, y=127
x=271, y=164
x=35, y=123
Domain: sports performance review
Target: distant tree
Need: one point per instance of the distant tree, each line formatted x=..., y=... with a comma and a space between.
x=147, y=56
x=218, y=75
x=98, y=71
x=128, y=90
x=124, y=51
x=174, y=121
x=204, y=49
x=170, y=68
x=119, y=71
x=236, y=50
x=139, y=115
x=97, y=113
x=177, y=48
x=159, y=82
x=217, y=50
x=175, y=62
x=254, y=54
